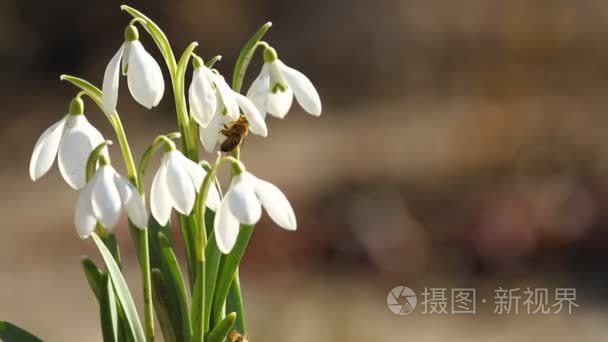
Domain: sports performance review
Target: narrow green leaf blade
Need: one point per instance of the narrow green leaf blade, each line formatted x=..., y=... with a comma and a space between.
x=107, y=310
x=228, y=269
x=177, y=282
x=221, y=331
x=162, y=305
x=93, y=274
x=242, y=63
x=234, y=303
x=122, y=290
x=212, y=264
x=12, y=333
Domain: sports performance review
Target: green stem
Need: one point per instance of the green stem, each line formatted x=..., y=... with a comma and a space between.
x=144, y=248
x=125, y=148
x=145, y=269
x=201, y=237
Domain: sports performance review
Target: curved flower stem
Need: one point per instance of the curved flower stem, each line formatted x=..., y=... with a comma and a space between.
x=159, y=141
x=125, y=148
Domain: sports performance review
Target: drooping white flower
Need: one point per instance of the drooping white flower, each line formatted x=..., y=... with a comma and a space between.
x=273, y=90
x=243, y=203
x=72, y=139
x=213, y=103
x=175, y=185
x=210, y=135
x=102, y=199
x=207, y=92
x=144, y=76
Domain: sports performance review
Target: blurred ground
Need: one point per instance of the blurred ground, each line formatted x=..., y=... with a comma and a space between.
x=461, y=144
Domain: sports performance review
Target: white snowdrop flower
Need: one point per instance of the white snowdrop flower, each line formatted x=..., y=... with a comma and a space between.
x=213, y=103
x=210, y=135
x=175, y=186
x=243, y=203
x=102, y=199
x=144, y=77
x=71, y=139
x=207, y=92
x=273, y=90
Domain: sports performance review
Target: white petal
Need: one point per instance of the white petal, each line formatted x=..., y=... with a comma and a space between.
x=133, y=202
x=125, y=58
x=243, y=203
x=45, y=149
x=304, y=91
x=179, y=184
x=197, y=174
x=106, y=199
x=110, y=82
x=209, y=135
x=195, y=171
x=84, y=218
x=213, y=198
x=279, y=101
x=257, y=125
x=79, y=140
x=226, y=95
x=226, y=227
x=144, y=77
x=160, y=201
x=203, y=101
x=276, y=204
x=258, y=92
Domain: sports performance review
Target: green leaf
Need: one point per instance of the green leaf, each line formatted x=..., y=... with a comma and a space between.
x=228, y=269
x=176, y=282
x=112, y=245
x=198, y=304
x=242, y=63
x=93, y=274
x=165, y=286
x=157, y=35
x=122, y=290
x=12, y=333
x=163, y=307
x=187, y=225
x=221, y=331
x=212, y=264
x=234, y=303
x=107, y=310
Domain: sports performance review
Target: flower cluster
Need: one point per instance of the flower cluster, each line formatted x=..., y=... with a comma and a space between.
x=212, y=104
x=211, y=111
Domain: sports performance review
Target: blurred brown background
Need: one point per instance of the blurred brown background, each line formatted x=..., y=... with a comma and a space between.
x=462, y=144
